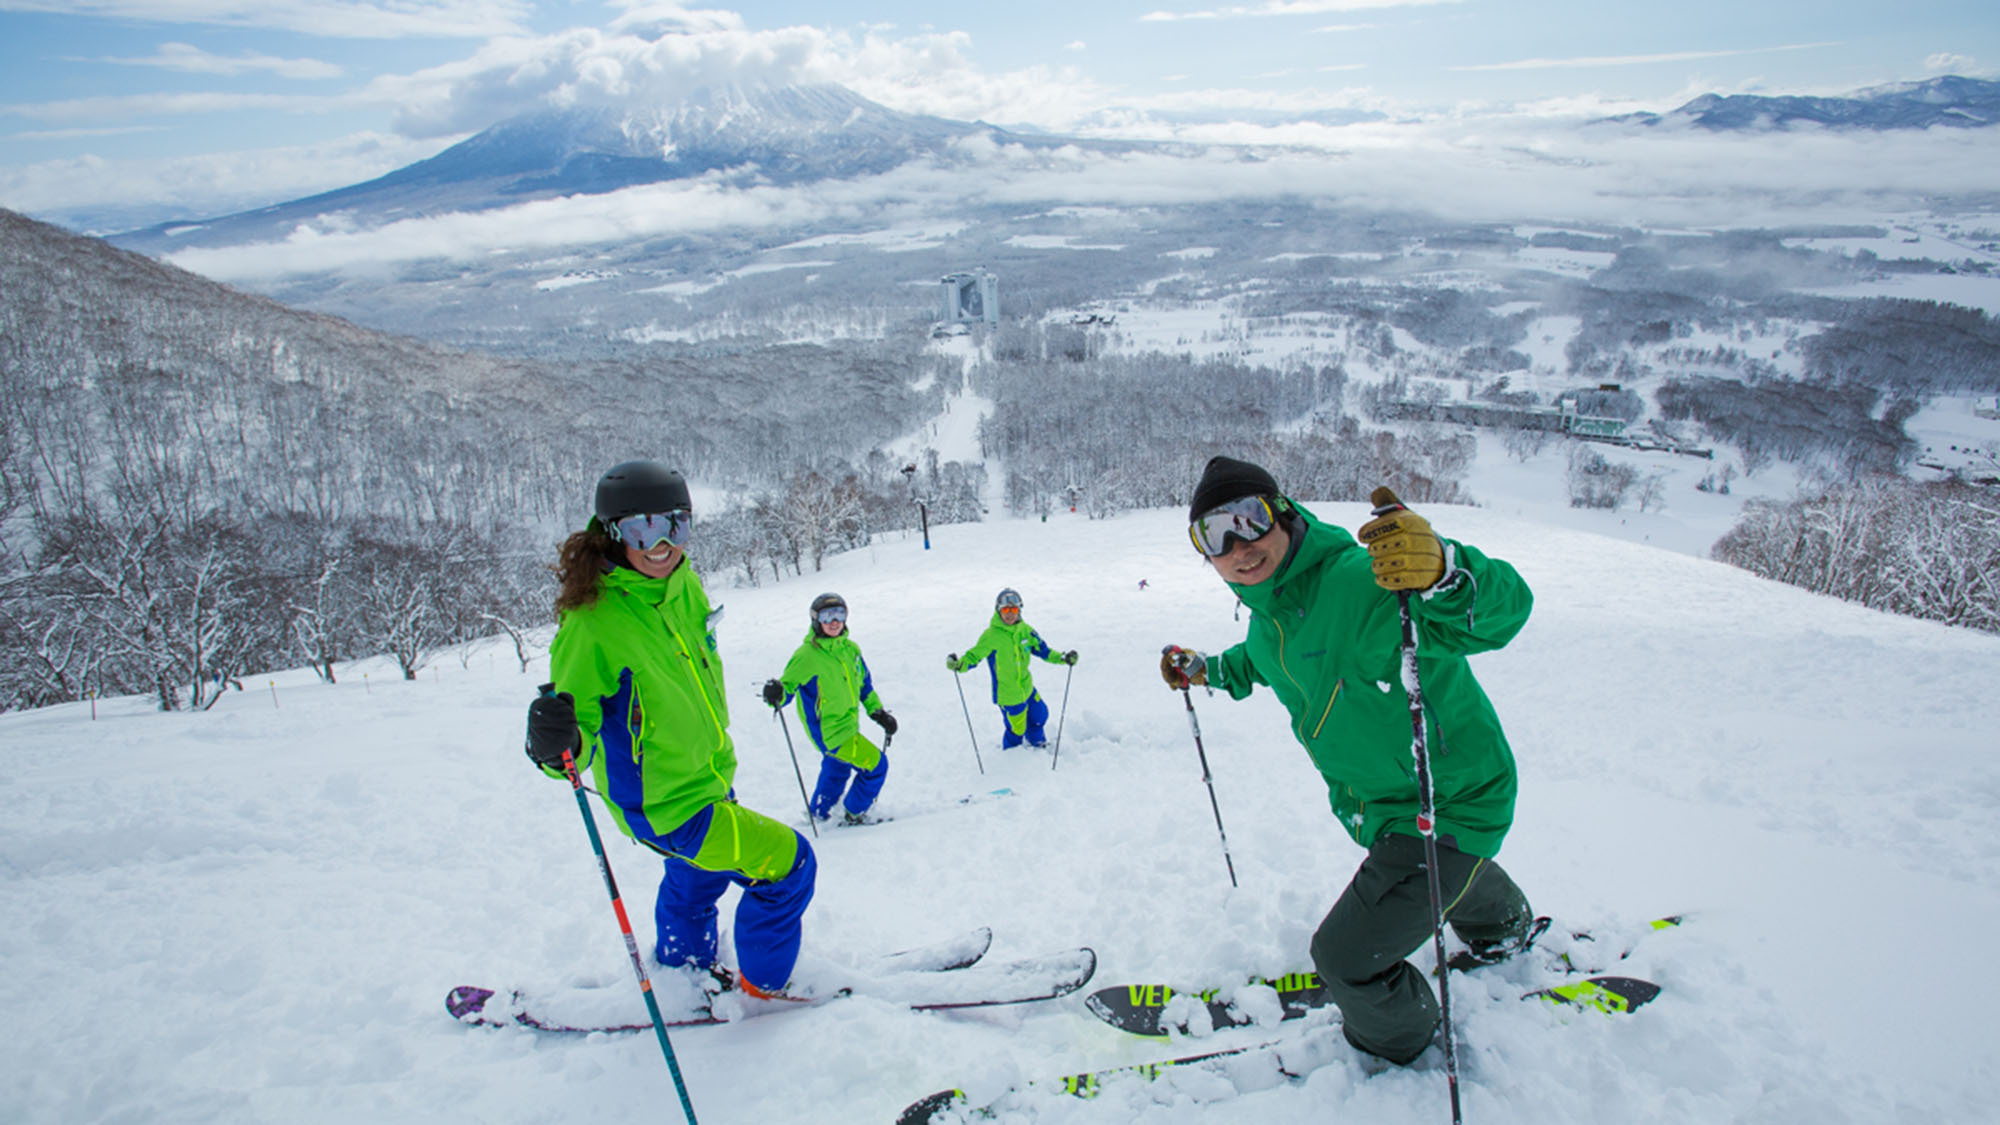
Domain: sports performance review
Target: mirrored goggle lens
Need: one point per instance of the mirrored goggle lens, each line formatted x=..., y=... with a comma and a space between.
x=1010, y=601
x=1248, y=518
x=645, y=532
x=831, y=614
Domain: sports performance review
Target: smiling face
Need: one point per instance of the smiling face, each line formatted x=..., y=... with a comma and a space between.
x=1248, y=564
x=656, y=563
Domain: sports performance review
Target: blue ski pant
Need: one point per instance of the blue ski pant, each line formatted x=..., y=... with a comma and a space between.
x=1025, y=718
x=727, y=844
x=1386, y=1004
x=833, y=781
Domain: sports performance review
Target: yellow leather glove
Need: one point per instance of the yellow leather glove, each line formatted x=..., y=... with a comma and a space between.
x=1403, y=550
x=1182, y=666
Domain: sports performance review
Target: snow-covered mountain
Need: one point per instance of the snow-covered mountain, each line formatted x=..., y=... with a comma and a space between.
x=253, y=914
x=741, y=134
x=1950, y=101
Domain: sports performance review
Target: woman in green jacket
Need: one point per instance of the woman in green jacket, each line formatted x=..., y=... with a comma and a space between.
x=638, y=701
x=831, y=680
x=1325, y=636
x=1005, y=646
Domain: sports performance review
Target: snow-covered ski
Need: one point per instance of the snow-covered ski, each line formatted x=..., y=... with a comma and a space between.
x=1249, y=1066
x=1262, y=1064
x=922, y=980
x=871, y=818
x=1156, y=1009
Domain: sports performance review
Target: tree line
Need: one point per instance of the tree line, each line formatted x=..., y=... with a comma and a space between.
x=1929, y=550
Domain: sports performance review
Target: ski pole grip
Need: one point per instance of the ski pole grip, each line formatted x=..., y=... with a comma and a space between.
x=545, y=690
x=1384, y=500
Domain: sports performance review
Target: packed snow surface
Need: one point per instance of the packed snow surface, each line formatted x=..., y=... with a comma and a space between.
x=253, y=914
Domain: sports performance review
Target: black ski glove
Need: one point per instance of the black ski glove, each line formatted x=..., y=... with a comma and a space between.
x=552, y=728
x=1069, y=657
x=774, y=693
x=884, y=720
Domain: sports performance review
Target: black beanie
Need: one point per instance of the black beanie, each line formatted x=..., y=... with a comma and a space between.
x=1224, y=480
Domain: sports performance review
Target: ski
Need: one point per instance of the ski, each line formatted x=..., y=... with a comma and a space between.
x=932, y=989
x=1158, y=1009
x=870, y=818
x=1252, y=1064
x=1258, y=1065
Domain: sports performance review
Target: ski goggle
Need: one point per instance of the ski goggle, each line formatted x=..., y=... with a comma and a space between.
x=645, y=532
x=1009, y=601
x=831, y=614
x=1246, y=518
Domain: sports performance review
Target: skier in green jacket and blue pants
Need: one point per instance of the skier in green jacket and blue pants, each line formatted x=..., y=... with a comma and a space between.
x=1325, y=636
x=831, y=681
x=1005, y=646
x=638, y=701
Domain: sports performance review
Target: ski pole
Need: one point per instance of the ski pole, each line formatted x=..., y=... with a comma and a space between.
x=1208, y=780
x=1384, y=502
x=625, y=926
x=812, y=821
x=1057, y=756
x=968, y=718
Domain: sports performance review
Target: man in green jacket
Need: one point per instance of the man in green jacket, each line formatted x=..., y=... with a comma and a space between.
x=830, y=678
x=1325, y=636
x=1005, y=646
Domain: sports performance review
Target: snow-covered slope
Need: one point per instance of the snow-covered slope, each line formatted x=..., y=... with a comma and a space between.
x=253, y=914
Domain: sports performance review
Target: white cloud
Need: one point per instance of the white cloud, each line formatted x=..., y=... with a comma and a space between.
x=78, y=134
x=1288, y=8
x=1950, y=62
x=1477, y=172
x=1637, y=60
x=338, y=19
x=666, y=15
x=194, y=60
x=159, y=105
x=211, y=184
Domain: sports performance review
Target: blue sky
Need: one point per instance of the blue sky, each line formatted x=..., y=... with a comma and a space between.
x=136, y=106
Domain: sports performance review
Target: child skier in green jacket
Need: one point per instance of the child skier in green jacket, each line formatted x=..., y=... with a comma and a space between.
x=831, y=680
x=1325, y=636
x=1005, y=646
x=638, y=701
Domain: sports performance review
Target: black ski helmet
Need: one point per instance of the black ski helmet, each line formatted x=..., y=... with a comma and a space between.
x=1005, y=598
x=822, y=602
x=634, y=488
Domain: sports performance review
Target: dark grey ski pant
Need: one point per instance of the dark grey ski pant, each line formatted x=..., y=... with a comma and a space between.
x=1387, y=1007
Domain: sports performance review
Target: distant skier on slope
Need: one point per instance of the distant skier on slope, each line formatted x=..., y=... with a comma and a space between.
x=1005, y=646
x=639, y=702
x=1325, y=637
x=830, y=679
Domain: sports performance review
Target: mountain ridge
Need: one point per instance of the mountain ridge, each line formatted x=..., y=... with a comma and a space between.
x=1951, y=100
x=746, y=135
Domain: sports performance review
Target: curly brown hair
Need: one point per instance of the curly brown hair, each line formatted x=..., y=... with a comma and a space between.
x=580, y=563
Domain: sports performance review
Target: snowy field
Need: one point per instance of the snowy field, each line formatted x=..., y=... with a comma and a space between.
x=253, y=914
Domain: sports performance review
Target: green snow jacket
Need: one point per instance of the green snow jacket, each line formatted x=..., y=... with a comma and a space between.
x=831, y=680
x=1006, y=649
x=1328, y=641
x=642, y=665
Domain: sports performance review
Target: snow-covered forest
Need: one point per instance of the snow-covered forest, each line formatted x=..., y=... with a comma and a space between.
x=196, y=482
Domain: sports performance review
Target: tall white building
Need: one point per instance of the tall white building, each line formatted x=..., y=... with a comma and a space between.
x=973, y=295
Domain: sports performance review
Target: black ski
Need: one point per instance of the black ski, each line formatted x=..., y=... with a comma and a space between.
x=1291, y=1058
x=1151, y=1009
